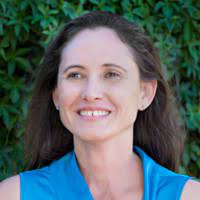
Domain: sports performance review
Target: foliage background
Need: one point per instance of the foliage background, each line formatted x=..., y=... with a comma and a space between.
x=27, y=26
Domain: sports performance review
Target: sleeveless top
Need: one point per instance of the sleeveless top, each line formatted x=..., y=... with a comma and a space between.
x=63, y=180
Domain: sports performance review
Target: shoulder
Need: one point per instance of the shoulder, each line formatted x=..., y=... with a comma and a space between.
x=163, y=182
x=191, y=190
x=10, y=188
x=37, y=178
x=170, y=183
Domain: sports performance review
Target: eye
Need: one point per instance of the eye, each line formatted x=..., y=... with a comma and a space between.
x=112, y=75
x=74, y=75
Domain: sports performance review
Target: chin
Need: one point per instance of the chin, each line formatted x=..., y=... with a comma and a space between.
x=92, y=137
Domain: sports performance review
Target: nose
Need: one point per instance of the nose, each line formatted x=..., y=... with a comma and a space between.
x=92, y=91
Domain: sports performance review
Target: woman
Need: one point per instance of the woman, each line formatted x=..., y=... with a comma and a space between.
x=100, y=91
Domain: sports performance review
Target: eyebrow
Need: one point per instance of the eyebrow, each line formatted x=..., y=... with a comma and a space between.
x=104, y=65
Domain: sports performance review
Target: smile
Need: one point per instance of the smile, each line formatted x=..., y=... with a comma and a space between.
x=93, y=115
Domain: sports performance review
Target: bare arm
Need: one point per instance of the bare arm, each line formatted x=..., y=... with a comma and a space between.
x=191, y=190
x=10, y=188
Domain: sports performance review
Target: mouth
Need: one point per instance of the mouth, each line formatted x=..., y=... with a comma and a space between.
x=93, y=115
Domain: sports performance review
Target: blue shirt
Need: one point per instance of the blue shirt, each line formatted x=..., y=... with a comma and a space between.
x=62, y=180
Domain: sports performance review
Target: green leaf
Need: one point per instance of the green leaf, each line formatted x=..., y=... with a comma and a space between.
x=11, y=109
x=3, y=5
x=193, y=52
x=145, y=10
x=26, y=27
x=14, y=95
x=53, y=12
x=95, y=2
x=1, y=29
x=17, y=29
x=5, y=116
x=158, y=6
x=20, y=132
x=42, y=9
x=3, y=55
x=187, y=31
x=138, y=12
x=11, y=67
x=22, y=51
x=4, y=42
x=23, y=64
x=167, y=11
x=12, y=22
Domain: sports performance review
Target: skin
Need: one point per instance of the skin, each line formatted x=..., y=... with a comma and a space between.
x=103, y=148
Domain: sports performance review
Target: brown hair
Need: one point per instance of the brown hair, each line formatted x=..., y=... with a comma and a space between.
x=156, y=130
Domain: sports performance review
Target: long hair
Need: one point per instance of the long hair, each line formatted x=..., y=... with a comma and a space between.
x=156, y=130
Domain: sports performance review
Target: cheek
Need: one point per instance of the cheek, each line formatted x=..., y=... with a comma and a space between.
x=67, y=95
x=67, y=100
x=128, y=101
x=127, y=95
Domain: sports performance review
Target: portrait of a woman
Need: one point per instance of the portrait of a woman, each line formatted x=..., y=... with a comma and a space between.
x=102, y=122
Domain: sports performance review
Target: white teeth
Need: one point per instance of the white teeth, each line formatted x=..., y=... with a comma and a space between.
x=93, y=113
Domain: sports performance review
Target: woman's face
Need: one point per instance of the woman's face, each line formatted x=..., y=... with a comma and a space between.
x=97, y=72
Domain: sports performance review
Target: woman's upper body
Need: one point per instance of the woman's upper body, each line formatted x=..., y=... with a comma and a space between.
x=63, y=179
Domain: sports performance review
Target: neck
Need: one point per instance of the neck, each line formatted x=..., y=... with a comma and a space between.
x=109, y=164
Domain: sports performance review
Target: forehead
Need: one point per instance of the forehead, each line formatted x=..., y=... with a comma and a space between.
x=97, y=45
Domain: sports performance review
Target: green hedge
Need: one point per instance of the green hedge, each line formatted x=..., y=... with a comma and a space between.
x=27, y=26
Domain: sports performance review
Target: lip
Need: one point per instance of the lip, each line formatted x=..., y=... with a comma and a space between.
x=94, y=118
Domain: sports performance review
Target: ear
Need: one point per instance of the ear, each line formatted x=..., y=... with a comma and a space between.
x=55, y=98
x=147, y=94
